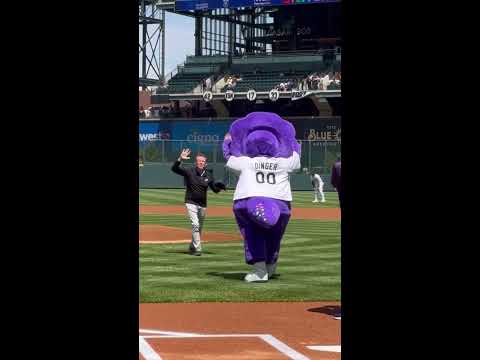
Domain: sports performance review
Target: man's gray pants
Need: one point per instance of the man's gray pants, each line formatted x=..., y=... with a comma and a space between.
x=197, y=215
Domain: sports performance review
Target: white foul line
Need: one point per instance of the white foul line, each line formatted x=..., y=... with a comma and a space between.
x=146, y=350
x=330, y=348
x=160, y=332
x=158, y=336
x=283, y=348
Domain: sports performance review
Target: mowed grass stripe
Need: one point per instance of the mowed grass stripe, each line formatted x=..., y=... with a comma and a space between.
x=309, y=265
x=175, y=220
x=177, y=196
x=301, y=199
x=226, y=257
x=308, y=271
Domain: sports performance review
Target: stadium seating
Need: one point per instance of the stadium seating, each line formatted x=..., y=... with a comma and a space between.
x=265, y=81
x=191, y=74
x=258, y=72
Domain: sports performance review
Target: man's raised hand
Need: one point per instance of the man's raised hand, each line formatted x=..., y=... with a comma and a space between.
x=185, y=154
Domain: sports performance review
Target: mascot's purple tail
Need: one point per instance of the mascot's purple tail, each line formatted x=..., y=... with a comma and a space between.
x=263, y=211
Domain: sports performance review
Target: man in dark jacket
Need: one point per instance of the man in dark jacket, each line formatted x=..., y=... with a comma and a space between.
x=197, y=181
x=337, y=180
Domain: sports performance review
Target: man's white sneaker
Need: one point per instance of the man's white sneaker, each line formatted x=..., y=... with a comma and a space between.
x=259, y=273
x=315, y=201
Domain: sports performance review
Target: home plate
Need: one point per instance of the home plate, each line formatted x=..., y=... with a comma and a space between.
x=329, y=348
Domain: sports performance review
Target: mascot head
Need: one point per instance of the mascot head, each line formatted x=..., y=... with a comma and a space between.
x=262, y=134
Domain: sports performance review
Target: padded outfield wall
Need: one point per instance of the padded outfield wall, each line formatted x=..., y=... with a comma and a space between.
x=161, y=141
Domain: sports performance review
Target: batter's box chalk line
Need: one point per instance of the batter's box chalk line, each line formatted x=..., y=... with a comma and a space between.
x=149, y=354
x=328, y=348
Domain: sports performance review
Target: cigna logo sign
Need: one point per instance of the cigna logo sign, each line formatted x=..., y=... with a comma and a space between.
x=203, y=138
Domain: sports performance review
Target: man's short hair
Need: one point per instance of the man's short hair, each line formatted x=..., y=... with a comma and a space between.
x=202, y=155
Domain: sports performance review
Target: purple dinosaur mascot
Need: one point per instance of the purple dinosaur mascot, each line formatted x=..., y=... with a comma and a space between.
x=262, y=149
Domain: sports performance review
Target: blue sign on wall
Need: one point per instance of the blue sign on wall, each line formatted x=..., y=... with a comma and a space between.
x=154, y=131
x=207, y=132
x=202, y=132
x=186, y=5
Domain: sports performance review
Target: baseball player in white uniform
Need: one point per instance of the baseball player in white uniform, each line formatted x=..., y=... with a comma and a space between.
x=317, y=184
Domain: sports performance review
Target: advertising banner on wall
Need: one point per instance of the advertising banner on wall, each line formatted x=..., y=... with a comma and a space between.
x=152, y=131
x=205, y=132
x=319, y=130
x=185, y=5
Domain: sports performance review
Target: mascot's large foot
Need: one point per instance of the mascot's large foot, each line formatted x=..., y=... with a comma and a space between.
x=271, y=269
x=259, y=273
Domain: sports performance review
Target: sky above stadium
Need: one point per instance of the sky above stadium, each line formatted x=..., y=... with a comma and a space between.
x=179, y=42
x=179, y=39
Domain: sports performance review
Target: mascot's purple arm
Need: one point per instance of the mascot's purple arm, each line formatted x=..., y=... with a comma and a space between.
x=262, y=220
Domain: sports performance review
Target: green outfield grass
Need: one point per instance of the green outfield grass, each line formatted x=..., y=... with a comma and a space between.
x=308, y=269
x=176, y=196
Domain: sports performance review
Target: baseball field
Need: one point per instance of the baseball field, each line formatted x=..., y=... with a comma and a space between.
x=216, y=314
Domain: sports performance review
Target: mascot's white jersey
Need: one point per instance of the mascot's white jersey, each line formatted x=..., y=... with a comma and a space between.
x=263, y=176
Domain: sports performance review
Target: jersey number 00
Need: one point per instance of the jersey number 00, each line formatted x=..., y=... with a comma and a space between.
x=261, y=178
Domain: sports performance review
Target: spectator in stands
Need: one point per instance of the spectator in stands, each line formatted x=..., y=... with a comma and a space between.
x=308, y=82
x=326, y=81
x=298, y=83
x=230, y=83
x=317, y=81
x=338, y=78
x=208, y=84
x=188, y=109
x=314, y=81
x=141, y=112
x=304, y=82
x=147, y=112
x=322, y=82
